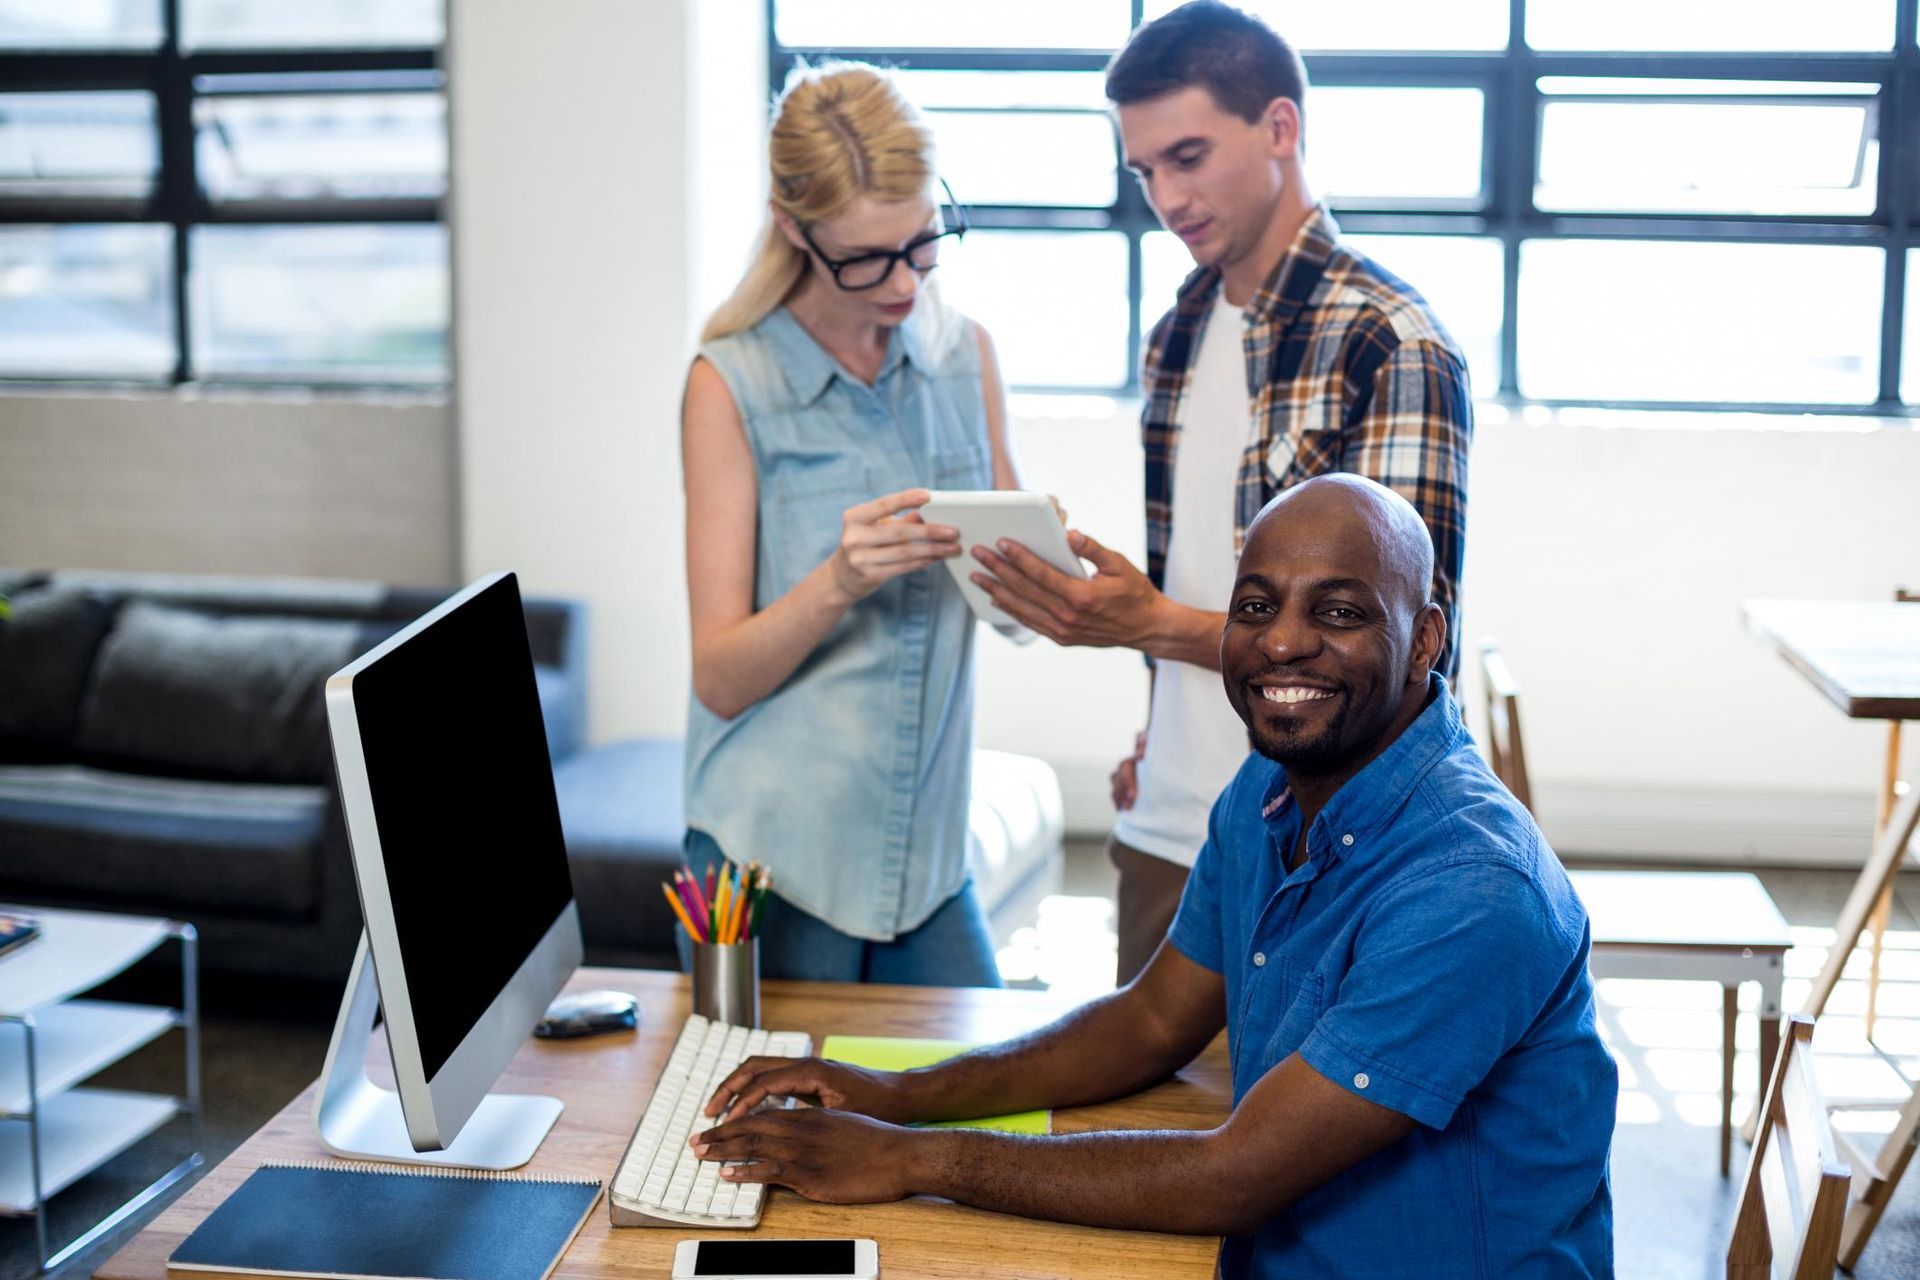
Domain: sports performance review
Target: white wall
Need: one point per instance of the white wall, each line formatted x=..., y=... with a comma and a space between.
x=338, y=486
x=1610, y=561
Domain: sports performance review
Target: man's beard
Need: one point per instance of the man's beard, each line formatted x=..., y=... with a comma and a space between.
x=1304, y=751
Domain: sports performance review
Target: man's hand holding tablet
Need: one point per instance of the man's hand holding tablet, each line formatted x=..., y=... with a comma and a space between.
x=989, y=517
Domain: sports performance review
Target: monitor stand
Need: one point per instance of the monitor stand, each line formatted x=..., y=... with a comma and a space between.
x=361, y=1120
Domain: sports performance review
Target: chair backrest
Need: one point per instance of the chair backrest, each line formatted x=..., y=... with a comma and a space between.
x=1504, y=749
x=1793, y=1201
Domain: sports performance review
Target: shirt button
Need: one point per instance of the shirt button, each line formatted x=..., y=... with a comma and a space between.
x=1361, y=1081
x=1259, y=959
x=1347, y=839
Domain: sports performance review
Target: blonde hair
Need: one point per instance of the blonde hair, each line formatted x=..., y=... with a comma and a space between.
x=842, y=130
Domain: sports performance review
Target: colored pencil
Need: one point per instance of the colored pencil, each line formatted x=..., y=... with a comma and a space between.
x=760, y=901
x=680, y=910
x=689, y=892
x=721, y=903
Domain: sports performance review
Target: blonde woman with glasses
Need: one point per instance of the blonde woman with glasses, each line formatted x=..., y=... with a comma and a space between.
x=830, y=729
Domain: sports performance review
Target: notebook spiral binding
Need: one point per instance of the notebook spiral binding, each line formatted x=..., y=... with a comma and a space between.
x=431, y=1171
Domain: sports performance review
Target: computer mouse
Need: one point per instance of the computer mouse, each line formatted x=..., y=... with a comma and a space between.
x=588, y=1013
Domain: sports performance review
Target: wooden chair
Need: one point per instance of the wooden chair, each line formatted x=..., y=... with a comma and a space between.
x=1715, y=926
x=1793, y=1200
x=1506, y=754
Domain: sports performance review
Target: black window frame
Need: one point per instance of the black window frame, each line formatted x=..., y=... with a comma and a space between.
x=1510, y=149
x=168, y=72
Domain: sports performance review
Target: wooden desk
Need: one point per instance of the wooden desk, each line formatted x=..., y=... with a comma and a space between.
x=605, y=1081
x=1864, y=656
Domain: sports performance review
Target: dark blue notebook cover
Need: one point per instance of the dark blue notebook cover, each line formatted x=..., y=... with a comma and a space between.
x=355, y=1221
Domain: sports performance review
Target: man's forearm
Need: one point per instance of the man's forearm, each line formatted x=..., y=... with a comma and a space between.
x=1179, y=633
x=1146, y=1180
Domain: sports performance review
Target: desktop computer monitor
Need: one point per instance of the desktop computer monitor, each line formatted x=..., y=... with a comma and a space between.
x=471, y=924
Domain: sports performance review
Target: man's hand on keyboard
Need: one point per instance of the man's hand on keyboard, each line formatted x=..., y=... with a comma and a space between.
x=830, y=1156
x=833, y=1085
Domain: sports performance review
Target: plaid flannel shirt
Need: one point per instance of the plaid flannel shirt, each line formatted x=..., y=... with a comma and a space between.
x=1347, y=370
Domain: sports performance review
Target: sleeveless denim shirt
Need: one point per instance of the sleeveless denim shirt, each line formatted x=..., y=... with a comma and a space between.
x=852, y=779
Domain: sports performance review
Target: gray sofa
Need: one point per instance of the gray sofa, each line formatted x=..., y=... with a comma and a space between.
x=163, y=749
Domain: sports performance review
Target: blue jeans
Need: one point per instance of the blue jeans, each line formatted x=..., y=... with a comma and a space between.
x=952, y=949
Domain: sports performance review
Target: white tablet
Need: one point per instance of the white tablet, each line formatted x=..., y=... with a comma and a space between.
x=985, y=516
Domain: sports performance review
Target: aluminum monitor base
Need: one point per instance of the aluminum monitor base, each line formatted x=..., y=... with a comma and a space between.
x=361, y=1120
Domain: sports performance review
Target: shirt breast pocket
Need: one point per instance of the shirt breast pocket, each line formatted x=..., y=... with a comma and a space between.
x=809, y=501
x=1305, y=1002
x=968, y=467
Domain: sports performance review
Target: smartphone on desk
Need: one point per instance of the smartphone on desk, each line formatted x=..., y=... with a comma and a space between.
x=776, y=1260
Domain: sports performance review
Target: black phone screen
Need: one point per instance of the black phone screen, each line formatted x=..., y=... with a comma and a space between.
x=774, y=1258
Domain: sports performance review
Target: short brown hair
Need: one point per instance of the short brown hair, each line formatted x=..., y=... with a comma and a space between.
x=1237, y=58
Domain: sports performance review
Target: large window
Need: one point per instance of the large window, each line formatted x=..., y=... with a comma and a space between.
x=223, y=190
x=1652, y=202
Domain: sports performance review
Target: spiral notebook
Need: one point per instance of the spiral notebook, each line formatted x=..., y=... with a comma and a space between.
x=394, y=1222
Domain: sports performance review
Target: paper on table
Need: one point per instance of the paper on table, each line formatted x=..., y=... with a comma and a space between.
x=888, y=1053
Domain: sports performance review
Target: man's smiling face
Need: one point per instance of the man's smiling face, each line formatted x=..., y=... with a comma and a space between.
x=1328, y=632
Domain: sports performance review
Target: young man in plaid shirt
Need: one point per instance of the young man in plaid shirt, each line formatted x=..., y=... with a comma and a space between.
x=1286, y=356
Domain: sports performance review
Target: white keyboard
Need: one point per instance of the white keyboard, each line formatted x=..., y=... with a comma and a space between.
x=660, y=1182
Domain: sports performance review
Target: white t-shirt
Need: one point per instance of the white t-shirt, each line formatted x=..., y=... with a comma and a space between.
x=1195, y=740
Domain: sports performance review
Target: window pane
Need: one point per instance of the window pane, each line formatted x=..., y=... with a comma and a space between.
x=979, y=24
x=86, y=302
x=1459, y=276
x=1910, y=334
x=1164, y=266
x=1362, y=144
x=1725, y=25
x=1054, y=301
x=79, y=24
x=326, y=304
x=1726, y=147
x=78, y=145
x=1379, y=24
x=1082, y=90
x=1035, y=157
x=305, y=24
x=1461, y=279
x=341, y=146
x=1764, y=323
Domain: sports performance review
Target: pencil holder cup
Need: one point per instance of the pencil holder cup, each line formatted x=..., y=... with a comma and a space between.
x=726, y=981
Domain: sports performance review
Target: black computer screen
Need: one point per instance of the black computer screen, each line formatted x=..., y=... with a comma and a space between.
x=456, y=754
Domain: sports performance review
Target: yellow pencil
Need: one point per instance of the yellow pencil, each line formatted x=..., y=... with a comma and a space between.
x=680, y=909
x=739, y=915
x=722, y=908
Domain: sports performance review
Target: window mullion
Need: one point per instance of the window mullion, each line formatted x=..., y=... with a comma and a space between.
x=175, y=196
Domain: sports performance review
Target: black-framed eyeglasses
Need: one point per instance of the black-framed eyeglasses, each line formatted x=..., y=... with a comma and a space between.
x=871, y=270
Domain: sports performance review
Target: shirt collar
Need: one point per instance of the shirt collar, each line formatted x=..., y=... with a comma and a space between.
x=1371, y=798
x=1293, y=279
x=1287, y=288
x=810, y=370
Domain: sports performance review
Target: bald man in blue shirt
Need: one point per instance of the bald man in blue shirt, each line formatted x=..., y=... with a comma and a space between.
x=1397, y=956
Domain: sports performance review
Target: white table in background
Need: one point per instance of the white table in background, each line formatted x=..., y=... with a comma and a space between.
x=53, y=1133
x=1708, y=926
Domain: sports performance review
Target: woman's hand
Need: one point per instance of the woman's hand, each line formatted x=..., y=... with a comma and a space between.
x=882, y=539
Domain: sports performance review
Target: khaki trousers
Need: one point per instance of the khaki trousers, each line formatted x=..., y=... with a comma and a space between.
x=1150, y=890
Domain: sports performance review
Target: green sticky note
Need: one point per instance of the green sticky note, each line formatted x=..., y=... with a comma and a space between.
x=889, y=1053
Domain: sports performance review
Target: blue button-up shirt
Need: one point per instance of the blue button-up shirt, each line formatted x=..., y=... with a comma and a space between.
x=1427, y=954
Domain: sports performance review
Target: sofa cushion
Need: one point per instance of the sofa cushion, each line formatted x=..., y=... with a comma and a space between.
x=621, y=809
x=235, y=696
x=47, y=646
x=169, y=844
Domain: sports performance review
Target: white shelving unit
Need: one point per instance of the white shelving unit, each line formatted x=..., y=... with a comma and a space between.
x=53, y=1133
